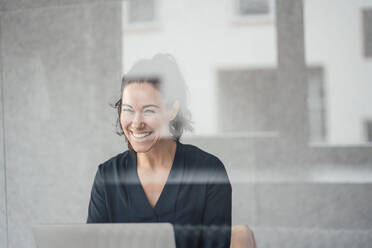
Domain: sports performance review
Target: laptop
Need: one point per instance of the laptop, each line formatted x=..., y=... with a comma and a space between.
x=105, y=235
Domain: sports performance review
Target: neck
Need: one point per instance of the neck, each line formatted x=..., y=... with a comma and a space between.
x=159, y=157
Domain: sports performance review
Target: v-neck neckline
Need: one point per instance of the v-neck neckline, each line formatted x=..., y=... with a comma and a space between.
x=165, y=189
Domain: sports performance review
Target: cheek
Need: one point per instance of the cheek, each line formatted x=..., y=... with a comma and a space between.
x=154, y=122
x=124, y=121
x=157, y=122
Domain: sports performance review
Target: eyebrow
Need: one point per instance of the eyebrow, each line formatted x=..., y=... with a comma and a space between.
x=146, y=106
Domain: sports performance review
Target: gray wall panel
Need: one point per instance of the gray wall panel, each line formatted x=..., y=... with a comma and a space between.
x=11, y=5
x=320, y=205
x=367, y=32
x=3, y=221
x=294, y=238
x=62, y=67
x=291, y=76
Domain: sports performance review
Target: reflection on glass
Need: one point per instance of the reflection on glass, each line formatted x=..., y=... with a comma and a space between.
x=215, y=52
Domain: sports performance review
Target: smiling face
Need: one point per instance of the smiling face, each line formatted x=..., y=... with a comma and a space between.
x=144, y=117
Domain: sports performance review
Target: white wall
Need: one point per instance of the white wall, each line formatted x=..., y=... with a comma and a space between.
x=334, y=39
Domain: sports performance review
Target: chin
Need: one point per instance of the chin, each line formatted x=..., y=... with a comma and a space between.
x=142, y=149
x=142, y=146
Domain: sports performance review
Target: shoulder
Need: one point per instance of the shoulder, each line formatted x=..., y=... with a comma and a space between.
x=205, y=165
x=201, y=158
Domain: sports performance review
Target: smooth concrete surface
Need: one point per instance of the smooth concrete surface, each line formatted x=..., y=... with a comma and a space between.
x=291, y=76
x=312, y=237
x=244, y=203
x=367, y=31
x=61, y=69
x=273, y=151
x=314, y=205
x=3, y=214
x=17, y=5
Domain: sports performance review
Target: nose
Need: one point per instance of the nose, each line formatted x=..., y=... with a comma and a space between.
x=138, y=121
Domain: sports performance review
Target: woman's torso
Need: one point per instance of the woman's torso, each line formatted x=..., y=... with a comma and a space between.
x=182, y=198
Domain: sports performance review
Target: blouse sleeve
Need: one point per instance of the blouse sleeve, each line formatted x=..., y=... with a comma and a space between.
x=217, y=213
x=97, y=210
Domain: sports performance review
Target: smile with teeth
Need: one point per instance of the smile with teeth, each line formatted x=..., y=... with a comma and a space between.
x=140, y=135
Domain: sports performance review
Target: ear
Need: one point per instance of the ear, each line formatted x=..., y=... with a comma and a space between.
x=174, y=110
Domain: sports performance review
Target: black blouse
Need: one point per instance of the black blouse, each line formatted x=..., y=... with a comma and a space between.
x=196, y=197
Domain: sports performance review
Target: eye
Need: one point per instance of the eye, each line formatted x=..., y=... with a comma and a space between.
x=127, y=110
x=149, y=111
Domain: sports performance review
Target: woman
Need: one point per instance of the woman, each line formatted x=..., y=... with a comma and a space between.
x=160, y=179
